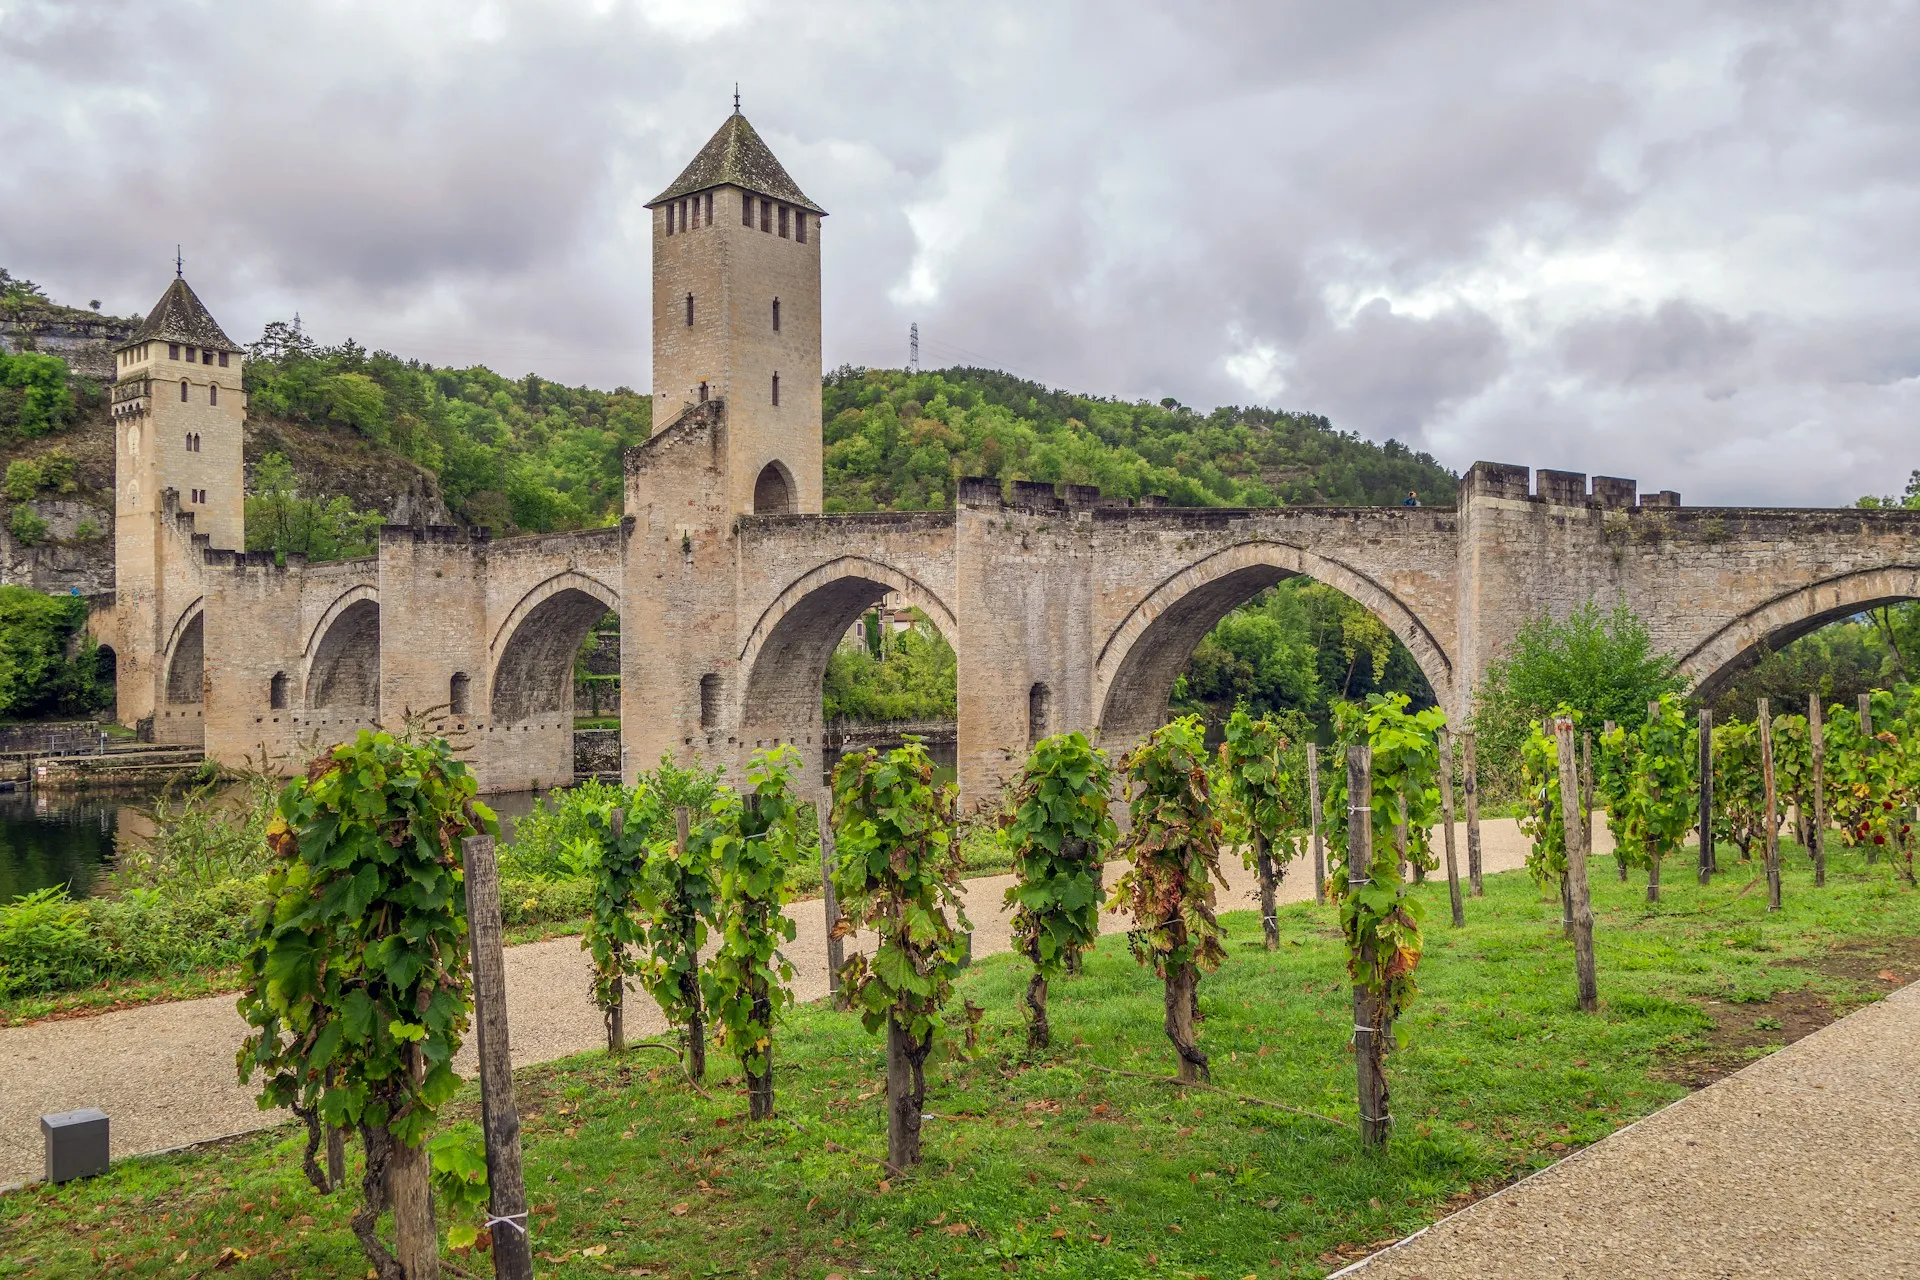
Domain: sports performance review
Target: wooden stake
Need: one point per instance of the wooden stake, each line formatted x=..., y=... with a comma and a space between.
x=1653, y=849
x=1619, y=850
x=1313, y=803
x=1368, y=1033
x=617, y=1015
x=1586, y=780
x=1400, y=838
x=830, y=902
x=1772, y=831
x=696, y=1061
x=1446, y=817
x=1470, y=783
x=1817, y=828
x=1706, y=795
x=1576, y=869
x=1866, y=732
x=506, y=1186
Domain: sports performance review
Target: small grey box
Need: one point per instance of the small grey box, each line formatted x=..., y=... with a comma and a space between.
x=76, y=1143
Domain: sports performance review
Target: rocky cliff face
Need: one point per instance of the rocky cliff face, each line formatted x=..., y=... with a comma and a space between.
x=84, y=339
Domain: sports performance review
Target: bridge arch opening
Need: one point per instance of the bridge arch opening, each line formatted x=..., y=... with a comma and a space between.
x=1839, y=637
x=785, y=659
x=1190, y=638
x=344, y=674
x=561, y=639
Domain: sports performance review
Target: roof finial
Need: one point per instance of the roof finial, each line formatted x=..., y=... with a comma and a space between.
x=179, y=268
x=736, y=97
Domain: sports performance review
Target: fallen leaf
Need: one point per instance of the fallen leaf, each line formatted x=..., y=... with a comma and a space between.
x=1059, y=1233
x=182, y=1258
x=1085, y=1158
x=883, y=1186
x=594, y=1251
x=956, y=1228
x=1888, y=975
x=229, y=1256
x=680, y=1210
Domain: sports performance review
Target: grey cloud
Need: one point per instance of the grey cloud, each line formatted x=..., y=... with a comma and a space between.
x=1582, y=225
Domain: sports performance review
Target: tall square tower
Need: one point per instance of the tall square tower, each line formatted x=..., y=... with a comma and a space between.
x=736, y=316
x=179, y=414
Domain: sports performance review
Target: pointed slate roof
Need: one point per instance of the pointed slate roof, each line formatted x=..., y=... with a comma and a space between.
x=736, y=157
x=180, y=316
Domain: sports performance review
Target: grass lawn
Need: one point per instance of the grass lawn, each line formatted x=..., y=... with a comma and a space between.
x=1055, y=1167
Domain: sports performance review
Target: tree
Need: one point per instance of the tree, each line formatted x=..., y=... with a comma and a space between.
x=48, y=665
x=280, y=520
x=617, y=866
x=36, y=396
x=1655, y=808
x=1173, y=843
x=358, y=991
x=898, y=876
x=756, y=854
x=1602, y=663
x=1060, y=828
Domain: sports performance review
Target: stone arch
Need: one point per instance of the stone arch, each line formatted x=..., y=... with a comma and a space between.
x=533, y=649
x=1742, y=641
x=785, y=655
x=187, y=657
x=343, y=669
x=1137, y=665
x=773, y=490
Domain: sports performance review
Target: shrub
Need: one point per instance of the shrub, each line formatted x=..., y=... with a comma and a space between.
x=35, y=395
x=23, y=480
x=27, y=527
x=46, y=941
x=37, y=675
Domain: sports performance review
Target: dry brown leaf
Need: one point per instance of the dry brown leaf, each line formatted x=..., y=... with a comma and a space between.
x=594, y=1251
x=680, y=1210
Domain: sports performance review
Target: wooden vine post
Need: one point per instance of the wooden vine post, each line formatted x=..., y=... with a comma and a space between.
x=617, y=998
x=1653, y=797
x=1866, y=746
x=1369, y=1038
x=1770, y=821
x=690, y=980
x=1817, y=829
x=1706, y=792
x=1313, y=806
x=1619, y=845
x=1446, y=817
x=830, y=903
x=1576, y=877
x=1470, y=784
x=512, y=1248
x=1586, y=782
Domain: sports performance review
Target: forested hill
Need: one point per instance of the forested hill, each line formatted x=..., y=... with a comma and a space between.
x=895, y=440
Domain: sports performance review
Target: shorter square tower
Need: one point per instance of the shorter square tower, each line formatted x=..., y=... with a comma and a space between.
x=736, y=316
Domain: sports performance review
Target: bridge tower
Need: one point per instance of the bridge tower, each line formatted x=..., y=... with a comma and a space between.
x=179, y=487
x=736, y=316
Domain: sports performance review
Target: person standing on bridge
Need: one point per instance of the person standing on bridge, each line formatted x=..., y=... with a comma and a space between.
x=1413, y=499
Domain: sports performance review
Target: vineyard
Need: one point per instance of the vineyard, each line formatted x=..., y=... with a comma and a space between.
x=363, y=990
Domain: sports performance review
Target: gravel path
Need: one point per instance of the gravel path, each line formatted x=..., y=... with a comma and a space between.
x=165, y=1073
x=1804, y=1164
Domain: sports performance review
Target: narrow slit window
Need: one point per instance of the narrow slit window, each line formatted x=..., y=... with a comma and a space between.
x=183, y=391
x=458, y=693
x=689, y=311
x=709, y=701
x=669, y=212
x=776, y=389
x=189, y=442
x=703, y=393
x=746, y=209
x=206, y=356
x=213, y=393
x=277, y=692
x=223, y=355
x=766, y=215
x=783, y=222
x=190, y=356
x=800, y=225
x=776, y=315
x=709, y=208
x=173, y=351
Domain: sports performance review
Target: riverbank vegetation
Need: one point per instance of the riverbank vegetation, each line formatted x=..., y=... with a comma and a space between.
x=1060, y=1162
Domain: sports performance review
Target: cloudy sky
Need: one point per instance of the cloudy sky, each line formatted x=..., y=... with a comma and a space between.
x=1674, y=240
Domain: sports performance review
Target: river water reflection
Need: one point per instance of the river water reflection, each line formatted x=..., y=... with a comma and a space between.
x=69, y=838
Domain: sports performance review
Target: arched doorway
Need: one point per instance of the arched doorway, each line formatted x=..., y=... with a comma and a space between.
x=186, y=663
x=773, y=491
x=343, y=675
x=785, y=659
x=1142, y=658
x=539, y=658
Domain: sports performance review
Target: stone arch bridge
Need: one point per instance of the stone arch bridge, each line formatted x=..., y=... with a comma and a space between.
x=1065, y=610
